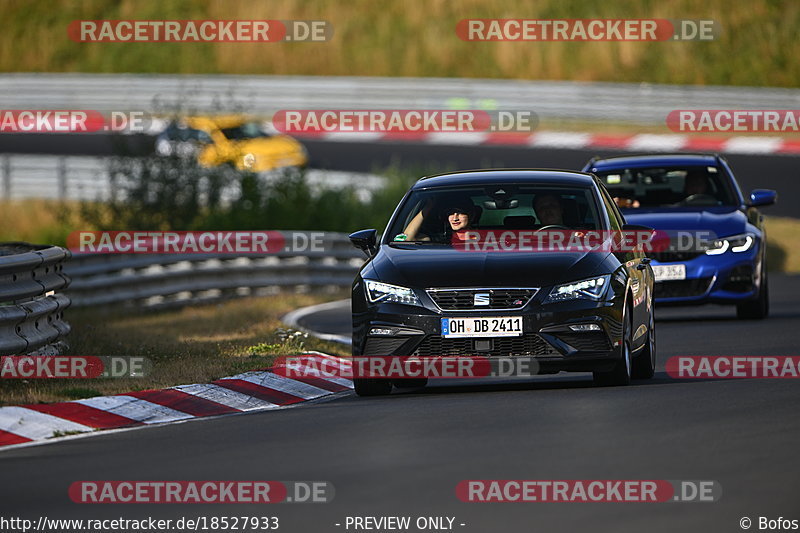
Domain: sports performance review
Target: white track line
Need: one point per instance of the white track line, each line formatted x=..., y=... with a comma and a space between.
x=135, y=409
x=35, y=425
x=282, y=384
x=227, y=397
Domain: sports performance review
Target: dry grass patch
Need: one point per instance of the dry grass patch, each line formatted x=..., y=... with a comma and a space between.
x=783, y=250
x=757, y=44
x=191, y=345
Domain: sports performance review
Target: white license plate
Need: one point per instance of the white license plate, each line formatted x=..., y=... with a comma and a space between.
x=669, y=272
x=498, y=326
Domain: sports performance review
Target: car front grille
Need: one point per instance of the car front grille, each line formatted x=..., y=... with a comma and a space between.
x=682, y=288
x=464, y=299
x=524, y=345
x=674, y=257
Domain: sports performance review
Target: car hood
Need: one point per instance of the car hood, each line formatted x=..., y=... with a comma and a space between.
x=425, y=266
x=723, y=221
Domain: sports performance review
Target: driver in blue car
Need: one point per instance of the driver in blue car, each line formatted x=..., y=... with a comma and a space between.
x=695, y=183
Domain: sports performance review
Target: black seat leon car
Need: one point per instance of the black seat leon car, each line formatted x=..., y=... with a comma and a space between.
x=421, y=294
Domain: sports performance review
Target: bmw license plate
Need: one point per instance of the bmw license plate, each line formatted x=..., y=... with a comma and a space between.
x=500, y=326
x=669, y=272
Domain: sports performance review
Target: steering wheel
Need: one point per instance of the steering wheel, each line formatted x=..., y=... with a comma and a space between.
x=699, y=199
x=552, y=226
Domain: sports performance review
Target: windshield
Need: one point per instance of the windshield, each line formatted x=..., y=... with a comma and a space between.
x=683, y=186
x=249, y=130
x=434, y=215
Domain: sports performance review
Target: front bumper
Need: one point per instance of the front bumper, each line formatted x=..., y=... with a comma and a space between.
x=729, y=278
x=416, y=331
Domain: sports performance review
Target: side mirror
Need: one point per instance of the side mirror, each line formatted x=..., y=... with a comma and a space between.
x=763, y=197
x=366, y=241
x=641, y=236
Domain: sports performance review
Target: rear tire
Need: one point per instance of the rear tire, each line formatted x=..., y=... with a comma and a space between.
x=757, y=309
x=621, y=373
x=644, y=365
x=372, y=387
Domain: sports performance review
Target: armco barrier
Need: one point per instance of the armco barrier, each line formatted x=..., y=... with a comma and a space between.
x=636, y=103
x=78, y=177
x=170, y=280
x=31, y=302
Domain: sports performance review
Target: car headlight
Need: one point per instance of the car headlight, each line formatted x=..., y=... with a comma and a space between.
x=587, y=289
x=735, y=243
x=383, y=292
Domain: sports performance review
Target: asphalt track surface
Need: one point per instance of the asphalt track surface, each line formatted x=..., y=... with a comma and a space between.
x=403, y=455
x=780, y=172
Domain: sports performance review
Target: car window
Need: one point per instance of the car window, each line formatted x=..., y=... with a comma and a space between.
x=506, y=206
x=699, y=185
x=249, y=130
x=177, y=133
x=614, y=216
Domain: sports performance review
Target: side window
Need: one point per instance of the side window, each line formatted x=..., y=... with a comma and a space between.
x=614, y=216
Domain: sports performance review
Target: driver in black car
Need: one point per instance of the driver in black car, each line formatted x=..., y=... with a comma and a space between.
x=548, y=209
x=460, y=215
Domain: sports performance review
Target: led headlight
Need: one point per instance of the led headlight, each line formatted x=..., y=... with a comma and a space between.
x=735, y=243
x=383, y=292
x=587, y=289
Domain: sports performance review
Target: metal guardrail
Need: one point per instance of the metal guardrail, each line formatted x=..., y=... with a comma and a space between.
x=172, y=280
x=62, y=177
x=31, y=304
x=88, y=178
x=621, y=102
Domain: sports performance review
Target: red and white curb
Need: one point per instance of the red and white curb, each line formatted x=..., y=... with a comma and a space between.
x=251, y=391
x=644, y=142
x=574, y=140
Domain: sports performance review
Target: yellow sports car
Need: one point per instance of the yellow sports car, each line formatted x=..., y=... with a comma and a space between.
x=230, y=140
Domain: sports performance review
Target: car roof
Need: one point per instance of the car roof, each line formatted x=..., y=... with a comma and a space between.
x=490, y=176
x=637, y=161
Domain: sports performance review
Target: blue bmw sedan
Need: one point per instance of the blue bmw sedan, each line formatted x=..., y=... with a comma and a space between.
x=717, y=252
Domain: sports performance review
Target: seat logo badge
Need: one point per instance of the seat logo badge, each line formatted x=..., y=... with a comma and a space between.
x=480, y=298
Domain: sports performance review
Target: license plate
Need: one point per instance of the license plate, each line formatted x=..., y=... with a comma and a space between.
x=669, y=272
x=500, y=326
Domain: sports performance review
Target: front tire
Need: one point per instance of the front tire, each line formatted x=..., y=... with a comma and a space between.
x=621, y=373
x=757, y=309
x=372, y=387
x=644, y=365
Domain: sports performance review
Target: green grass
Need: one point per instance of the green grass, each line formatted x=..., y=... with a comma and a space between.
x=757, y=46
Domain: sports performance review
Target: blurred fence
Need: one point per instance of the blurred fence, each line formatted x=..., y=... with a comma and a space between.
x=33, y=278
x=31, y=302
x=172, y=280
x=88, y=178
x=634, y=103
